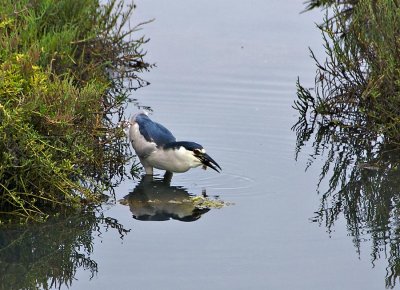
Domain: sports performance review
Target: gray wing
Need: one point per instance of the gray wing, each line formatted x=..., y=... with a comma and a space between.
x=152, y=131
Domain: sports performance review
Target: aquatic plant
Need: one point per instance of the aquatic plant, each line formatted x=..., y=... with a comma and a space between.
x=63, y=67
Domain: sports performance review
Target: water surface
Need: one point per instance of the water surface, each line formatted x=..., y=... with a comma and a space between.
x=225, y=78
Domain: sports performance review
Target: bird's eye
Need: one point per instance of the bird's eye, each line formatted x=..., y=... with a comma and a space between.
x=197, y=152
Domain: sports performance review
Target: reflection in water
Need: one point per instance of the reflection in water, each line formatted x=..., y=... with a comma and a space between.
x=48, y=255
x=154, y=199
x=364, y=185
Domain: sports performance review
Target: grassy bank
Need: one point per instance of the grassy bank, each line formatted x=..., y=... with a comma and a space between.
x=358, y=84
x=62, y=68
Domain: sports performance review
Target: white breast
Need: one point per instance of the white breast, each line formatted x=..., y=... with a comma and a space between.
x=173, y=160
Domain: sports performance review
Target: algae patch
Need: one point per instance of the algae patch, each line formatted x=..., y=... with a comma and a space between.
x=201, y=201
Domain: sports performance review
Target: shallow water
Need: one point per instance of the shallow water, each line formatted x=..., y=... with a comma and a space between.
x=225, y=78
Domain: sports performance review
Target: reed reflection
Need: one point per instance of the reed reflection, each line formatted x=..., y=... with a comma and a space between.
x=48, y=255
x=363, y=177
x=154, y=199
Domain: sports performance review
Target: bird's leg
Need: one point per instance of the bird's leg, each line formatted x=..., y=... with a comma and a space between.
x=149, y=170
x=168, y=176
x=147, y=167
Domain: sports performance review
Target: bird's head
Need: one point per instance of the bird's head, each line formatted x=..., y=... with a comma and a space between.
x=199, y=154
x=206, y=159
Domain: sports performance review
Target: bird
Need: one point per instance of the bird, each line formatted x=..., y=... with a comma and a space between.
x=157, y=147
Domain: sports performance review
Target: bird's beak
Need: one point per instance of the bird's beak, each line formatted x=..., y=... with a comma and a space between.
x=208, y=161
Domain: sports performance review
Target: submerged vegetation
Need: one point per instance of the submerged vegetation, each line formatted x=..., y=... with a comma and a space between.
x=63, y=65
x=352, y=117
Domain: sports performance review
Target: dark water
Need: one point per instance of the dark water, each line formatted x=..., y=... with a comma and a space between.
x=225, y=78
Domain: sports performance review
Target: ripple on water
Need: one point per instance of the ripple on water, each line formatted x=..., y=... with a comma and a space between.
x=224, y=185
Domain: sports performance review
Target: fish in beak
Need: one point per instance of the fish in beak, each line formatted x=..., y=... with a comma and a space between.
x=207, y=161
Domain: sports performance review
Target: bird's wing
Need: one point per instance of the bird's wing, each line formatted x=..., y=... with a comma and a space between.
x=152, y=131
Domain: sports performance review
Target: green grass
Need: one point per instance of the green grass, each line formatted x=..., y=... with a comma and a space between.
x=62, y=68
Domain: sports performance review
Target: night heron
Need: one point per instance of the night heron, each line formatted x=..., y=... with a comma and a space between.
x=156, y=147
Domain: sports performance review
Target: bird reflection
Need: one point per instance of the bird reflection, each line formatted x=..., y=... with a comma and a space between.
x=154, y=199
